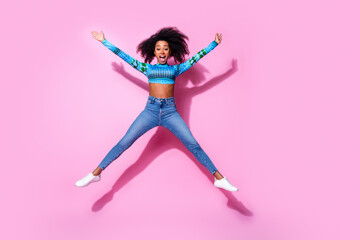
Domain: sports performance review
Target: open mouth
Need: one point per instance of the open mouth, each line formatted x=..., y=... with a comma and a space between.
x=162, y=57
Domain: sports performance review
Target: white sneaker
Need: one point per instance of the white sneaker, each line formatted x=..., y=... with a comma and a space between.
x=87, y=180
x=225, y=184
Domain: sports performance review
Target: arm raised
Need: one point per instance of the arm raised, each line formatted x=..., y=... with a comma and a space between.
x=140, y=66
x=183, y=67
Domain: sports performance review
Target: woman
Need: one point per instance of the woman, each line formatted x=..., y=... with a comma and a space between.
x=160, y=109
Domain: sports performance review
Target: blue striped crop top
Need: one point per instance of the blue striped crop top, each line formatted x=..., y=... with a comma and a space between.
x=160, y=73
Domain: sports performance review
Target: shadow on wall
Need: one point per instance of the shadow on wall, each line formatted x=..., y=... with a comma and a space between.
x=163, y=140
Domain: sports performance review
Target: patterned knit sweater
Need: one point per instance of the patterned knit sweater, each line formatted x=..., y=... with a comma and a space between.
x=160, y=73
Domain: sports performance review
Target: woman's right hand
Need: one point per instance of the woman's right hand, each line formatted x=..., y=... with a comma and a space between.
x=98, y=36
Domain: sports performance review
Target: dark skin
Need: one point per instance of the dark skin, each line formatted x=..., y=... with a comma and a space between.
x=162, y=52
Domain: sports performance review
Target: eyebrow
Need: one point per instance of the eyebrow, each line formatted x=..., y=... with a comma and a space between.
x=164, y=45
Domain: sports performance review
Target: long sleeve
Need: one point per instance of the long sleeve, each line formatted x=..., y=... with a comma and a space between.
x=140, y=66
x=183, y=67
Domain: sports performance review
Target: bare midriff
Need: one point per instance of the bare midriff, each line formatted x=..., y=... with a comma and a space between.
x=160, y=90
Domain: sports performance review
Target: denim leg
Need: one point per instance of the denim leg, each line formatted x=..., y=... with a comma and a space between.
x=179, y=128
x=143, y=123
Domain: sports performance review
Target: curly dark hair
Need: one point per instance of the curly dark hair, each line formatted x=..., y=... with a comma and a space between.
x=175, y=39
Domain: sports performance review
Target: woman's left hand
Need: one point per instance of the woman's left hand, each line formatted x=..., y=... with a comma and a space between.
x=218, y=38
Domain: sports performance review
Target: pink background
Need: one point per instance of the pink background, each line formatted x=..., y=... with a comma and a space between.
x=275, y=106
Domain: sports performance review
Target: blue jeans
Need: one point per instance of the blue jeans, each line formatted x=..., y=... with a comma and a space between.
x=159, y=112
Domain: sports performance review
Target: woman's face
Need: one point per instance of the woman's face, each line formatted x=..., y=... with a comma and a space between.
x=162, y=51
